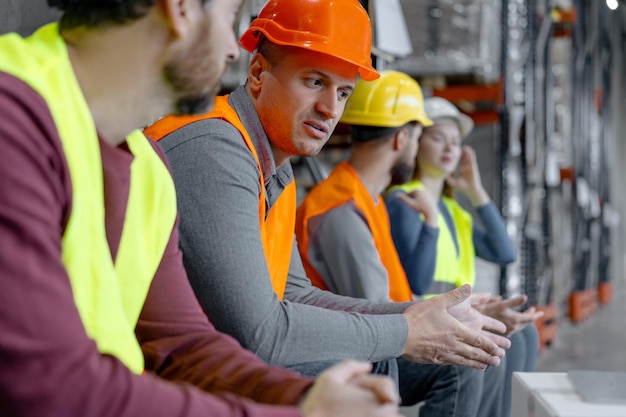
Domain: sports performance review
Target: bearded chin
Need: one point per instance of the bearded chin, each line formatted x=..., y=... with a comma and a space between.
x=401, y=174
x=194, y=105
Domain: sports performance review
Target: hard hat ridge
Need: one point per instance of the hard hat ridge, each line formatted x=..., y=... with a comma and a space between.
x=393, y=100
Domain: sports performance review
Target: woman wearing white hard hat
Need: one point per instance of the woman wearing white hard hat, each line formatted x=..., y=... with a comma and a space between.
x=449, y=240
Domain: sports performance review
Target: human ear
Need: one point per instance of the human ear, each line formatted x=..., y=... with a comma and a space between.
x=401, y=139
x=178, y=15
x=258, y=65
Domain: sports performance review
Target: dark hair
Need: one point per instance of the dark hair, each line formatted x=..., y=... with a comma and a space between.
x=360, y=133
x=272, y=52
x=92, y=13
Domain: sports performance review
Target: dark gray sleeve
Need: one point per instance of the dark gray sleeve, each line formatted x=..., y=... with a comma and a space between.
x=217, y=184
x=492, y=242
x=300, y=290
x=415, y=241
x=344, y=254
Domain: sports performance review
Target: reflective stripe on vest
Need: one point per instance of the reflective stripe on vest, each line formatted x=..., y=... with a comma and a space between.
x=109, y=296
x=452, y=269
x=407, y=187
x=341, y=186
x=277, y=226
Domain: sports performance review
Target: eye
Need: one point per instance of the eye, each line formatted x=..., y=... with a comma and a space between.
x=314, y=82
x=344, y=94
x=435, y=138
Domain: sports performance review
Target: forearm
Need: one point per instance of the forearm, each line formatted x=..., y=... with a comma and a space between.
x=420, y=268
x=416, y=244
x=478, y=196
x=180, y=344
x=217, y=186
x=493, y=243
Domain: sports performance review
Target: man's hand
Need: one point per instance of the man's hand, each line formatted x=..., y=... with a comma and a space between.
x=349, y=390
x=447, y=329
x=503, y=310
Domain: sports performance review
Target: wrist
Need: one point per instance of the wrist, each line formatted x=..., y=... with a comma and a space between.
x=479, y=197
x=430, y=218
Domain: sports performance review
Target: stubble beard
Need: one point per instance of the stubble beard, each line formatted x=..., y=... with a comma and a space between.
x=193, y=76
x=401, y=173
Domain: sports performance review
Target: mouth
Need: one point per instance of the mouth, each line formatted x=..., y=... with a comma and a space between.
x=317, y=129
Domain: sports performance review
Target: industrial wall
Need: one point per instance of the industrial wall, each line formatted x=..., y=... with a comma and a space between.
x=24, y=16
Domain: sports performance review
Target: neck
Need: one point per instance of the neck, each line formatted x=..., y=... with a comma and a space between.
x=374, y=168
x=433, y=185
x=280, y=157
x=119, y=74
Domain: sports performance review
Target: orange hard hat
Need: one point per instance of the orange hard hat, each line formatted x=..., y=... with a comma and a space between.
x=339, y=28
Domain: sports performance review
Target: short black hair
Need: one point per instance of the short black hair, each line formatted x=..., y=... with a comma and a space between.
x=92, y=13
x=361, y=133
x=273, y=52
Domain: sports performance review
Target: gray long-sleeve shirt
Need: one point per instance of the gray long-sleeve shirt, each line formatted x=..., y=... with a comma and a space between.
x=342, y=250
x=217, y=182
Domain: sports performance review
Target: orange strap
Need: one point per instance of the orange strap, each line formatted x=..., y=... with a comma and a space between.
x=277, y=227
x=341, y=186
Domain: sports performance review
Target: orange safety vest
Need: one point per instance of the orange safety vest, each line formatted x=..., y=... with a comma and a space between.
x=276, y=226
x=341, y=186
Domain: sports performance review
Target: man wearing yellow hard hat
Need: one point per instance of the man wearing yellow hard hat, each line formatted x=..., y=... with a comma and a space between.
x=237, y=208
x=343, y=227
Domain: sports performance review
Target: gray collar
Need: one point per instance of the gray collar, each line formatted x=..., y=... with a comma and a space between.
x=242, y=104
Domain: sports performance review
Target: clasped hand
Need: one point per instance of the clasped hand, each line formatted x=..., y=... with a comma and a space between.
x=504, y=311
x=447, y=329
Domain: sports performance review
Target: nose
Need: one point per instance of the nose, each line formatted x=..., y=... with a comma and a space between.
x=232, y=51
x=449, y=143
x=328, y=103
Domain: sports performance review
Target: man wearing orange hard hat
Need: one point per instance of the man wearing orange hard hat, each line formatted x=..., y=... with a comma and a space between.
x=97, y=315
x=237, y=205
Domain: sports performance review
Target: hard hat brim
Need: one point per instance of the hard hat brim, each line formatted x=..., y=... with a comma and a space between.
x=250, y=39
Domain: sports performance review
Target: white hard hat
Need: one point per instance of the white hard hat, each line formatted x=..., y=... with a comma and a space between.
x=440, y=108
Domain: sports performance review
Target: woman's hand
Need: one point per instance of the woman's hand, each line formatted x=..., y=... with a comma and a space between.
x=468, y=181
x=423, y=202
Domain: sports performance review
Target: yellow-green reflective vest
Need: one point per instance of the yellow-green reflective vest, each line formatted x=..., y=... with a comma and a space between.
x=109, y=295
x=452, y=269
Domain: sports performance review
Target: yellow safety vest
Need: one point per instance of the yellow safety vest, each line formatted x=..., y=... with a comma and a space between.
x=452, y=269
x=276, y=227
x=109, y=295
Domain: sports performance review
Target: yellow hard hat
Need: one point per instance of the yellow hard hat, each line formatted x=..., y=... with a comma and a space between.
x=393, y=100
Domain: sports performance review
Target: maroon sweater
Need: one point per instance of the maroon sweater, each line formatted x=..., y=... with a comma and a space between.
x=48, y=365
